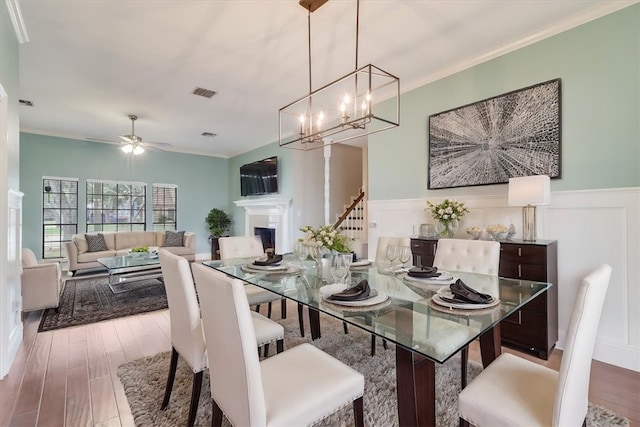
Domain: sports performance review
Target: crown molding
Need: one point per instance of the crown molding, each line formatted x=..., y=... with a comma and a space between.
x=16, y=19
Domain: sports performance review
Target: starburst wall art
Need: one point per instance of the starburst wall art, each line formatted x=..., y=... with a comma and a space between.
x=488, y=142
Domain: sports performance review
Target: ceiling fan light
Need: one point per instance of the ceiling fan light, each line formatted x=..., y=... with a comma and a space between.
x=128, y=148
x=138, y=150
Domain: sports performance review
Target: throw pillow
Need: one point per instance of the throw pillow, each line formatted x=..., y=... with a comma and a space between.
x=95, y=242
x=173, y=238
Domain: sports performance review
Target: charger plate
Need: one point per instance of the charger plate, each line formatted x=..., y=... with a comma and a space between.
x=262, y=268
x=446, y=293
x=328, y=290
x=445, y=279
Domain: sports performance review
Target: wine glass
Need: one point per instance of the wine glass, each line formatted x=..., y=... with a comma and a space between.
x=405, y=255
x=338, y=268
x=392, y=254
x=301, y=252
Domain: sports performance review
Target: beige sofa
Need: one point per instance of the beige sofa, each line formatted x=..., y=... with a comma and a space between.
x=119, y=243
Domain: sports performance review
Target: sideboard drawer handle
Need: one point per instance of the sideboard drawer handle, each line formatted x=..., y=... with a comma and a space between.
x=519, y=251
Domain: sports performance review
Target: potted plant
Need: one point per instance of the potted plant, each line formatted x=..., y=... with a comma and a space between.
x=218, y=223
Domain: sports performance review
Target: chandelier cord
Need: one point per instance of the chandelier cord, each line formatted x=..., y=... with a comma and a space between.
x=309, y=44
x=357, y=29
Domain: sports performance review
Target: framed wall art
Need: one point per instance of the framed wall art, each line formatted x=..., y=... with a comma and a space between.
x=487, y=142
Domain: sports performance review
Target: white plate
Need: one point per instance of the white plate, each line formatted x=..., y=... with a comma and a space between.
x=329, y=290
x=253, y=267
x=361, y=263
x=444, y=279
x=446, y=292
x=381, y=297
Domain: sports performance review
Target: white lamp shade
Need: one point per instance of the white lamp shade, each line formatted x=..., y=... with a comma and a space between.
x=127, y=148
x=529, y=190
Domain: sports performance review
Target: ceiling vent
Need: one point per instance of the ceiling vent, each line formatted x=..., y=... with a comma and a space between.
x=209, y=134
x=203, y=92
x=25, y=102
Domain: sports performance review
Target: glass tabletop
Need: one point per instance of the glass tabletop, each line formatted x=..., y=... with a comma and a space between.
x=408, y=316
x=130, y=261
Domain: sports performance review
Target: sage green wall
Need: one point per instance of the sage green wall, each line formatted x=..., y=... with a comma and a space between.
x=599, y=64
x=202, y=181
x=11, y=84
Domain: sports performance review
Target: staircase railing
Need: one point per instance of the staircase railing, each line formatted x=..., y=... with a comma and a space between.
x=348, y=211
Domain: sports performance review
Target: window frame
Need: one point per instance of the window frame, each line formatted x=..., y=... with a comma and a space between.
x=113, y=206
x=65, y=229
x=164, y=209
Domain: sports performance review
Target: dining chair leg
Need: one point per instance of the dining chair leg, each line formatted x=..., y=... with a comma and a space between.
x=373, y=345
x=266, y=350
x=257, y=308
x=172, y=375
x=269, y=310
x=358, y=412
x=384, y=343
x=195, y=397
x=216, y=416
x=280, y=346
x=464, y=358
x=344, y=326
x=301, y=319
x=283, y=308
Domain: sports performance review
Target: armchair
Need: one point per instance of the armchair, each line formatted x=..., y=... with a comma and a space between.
x=41, y=283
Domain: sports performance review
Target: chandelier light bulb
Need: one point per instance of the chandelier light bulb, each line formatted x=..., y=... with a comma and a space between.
x=127, y=148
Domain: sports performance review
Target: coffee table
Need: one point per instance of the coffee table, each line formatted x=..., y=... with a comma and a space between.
x=130, y=268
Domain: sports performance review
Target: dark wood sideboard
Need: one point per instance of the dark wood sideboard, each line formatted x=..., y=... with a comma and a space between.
x=534, y=328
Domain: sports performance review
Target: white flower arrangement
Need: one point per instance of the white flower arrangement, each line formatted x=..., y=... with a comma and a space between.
x=448, y=210
x=497, y=228
x=326, y=236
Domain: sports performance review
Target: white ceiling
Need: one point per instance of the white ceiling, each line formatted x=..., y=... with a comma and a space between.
x=90, y=63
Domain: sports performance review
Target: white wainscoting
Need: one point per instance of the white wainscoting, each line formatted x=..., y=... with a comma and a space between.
x=591, y=226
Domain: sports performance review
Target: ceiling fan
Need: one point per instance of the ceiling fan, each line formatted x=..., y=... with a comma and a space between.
x=133, y=143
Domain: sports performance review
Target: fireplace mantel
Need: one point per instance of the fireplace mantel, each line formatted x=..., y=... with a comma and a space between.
x=277, y=211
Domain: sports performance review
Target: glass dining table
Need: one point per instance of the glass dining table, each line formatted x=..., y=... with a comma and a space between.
x=406, y=312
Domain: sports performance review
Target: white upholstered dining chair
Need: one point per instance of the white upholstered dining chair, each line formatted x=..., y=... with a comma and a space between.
x=295, y=388
x=472, y=256
x=513, y=391
x=248, y=247
x=187, y=337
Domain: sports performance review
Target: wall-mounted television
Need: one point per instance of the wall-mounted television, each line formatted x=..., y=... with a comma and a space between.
x=259, y=177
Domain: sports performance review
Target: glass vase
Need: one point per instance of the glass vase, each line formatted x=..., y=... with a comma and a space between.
x=447, y=229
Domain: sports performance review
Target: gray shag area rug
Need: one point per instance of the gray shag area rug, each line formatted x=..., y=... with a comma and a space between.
x=91, y=300
x=144, y=381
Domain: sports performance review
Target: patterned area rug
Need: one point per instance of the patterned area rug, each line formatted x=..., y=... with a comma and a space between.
x=91, y=300
x=144, y=381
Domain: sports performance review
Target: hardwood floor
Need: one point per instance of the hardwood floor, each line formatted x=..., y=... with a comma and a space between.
x=68, y=377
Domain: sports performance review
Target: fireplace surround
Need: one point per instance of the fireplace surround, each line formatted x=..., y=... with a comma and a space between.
x=268, y=212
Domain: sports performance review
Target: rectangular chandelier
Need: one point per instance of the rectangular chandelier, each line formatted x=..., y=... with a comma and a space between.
x=348, y=108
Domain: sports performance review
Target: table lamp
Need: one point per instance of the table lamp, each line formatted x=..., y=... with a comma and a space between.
x=529, y=192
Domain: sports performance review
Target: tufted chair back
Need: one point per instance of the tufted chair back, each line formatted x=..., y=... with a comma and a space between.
x=383, y=242
x=473, y=256
x=240, y=247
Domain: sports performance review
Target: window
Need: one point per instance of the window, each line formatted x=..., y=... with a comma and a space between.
x=165, y=206
x=59, y=214
x=116, y=206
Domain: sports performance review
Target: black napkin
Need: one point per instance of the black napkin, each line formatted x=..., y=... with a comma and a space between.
x=359, y=292
x=423, y=272
x=276, y=259
x=466, y=294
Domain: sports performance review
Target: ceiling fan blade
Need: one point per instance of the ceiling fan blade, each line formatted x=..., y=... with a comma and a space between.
x=157, y=144
x=127, y=138
x=108, y=141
